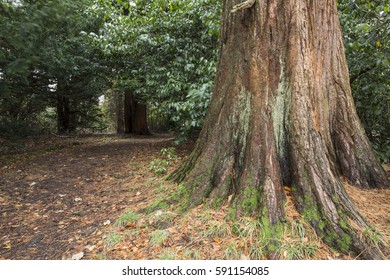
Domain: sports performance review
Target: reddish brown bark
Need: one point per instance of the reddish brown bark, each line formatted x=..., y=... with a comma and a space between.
x=281, y=114
x=134, y=116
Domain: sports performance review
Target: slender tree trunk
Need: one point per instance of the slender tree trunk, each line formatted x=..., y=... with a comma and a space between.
x=63, y=115
x=120, y=100
x=128, y=112
x=282, y=114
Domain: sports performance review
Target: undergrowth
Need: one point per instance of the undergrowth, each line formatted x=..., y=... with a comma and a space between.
x=204, y=233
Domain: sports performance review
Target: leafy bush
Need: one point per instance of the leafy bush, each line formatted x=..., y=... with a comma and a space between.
x=159, y=166
x=367, y=43
x=189, y=115
x=18, y=129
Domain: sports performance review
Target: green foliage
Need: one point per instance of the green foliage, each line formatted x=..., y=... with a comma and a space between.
x=188, y=115
x=164, y=52
x=367, y=40
x=45, y=58
x=17, y=129
x=159, y=166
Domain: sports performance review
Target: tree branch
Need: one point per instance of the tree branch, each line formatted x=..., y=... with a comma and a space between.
x=242, y=6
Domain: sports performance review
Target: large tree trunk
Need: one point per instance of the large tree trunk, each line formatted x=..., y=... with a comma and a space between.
x=131, y=115
x=282, y=114
x=135, y=117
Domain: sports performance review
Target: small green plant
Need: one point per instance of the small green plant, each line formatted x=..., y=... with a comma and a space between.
x=99, y=257
x=160, y=186
x=128, y=217
x=169, y=153
x=159, y=166
x=301, y=243
x=158, y=237
x=113, y=239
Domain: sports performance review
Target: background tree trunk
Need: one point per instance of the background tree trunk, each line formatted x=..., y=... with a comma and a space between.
x=135, y=117
x=63, y=115
x=282, y=114
x=120, y=102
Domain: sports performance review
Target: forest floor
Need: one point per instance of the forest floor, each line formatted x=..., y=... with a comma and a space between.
x=104, y=197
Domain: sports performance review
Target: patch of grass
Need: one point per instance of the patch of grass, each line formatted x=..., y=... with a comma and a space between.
x=374, y=237
x=232, y=252
x=104, y=139
x=165, y=217
x=248, y=228
x=206, y=217
x=256, y=250
x=112, y=239
x=298, y=229
x=299, y=250
x=132, y=233
x=182, y=196
x=162, y=188
x=99, y=257
x=168, y=254
x=128, y=217
x=191, y=254
x=217, y=229
x=158, y=237
x=158, y=204
x=300, y=242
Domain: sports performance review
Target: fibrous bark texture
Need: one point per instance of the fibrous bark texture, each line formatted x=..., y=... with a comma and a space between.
x=282, y=114
x=134, y=118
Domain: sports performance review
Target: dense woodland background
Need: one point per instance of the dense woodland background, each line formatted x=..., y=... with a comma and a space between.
x=67, y=66
x=93, y=75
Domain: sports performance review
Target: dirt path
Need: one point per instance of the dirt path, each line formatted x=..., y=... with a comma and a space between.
x=52, y=205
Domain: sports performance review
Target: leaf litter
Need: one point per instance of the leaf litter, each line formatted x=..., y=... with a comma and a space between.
x=63, y=204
